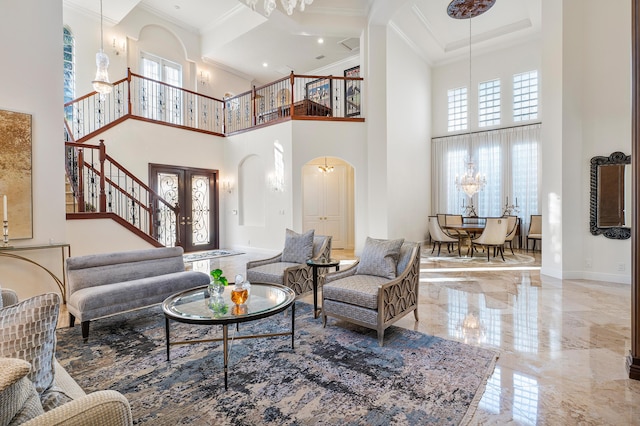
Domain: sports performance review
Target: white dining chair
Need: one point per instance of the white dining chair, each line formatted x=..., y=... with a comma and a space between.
x=494, y=235
x=438, y=236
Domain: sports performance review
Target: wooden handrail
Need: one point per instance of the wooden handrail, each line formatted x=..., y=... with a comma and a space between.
x=104, y=181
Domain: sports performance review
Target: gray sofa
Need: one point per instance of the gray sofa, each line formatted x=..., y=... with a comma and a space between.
x=105, y=284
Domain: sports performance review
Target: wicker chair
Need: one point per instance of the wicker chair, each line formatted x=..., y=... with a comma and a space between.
x=296, y=276
x=374, y=301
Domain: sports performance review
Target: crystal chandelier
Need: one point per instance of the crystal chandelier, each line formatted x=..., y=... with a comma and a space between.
x=468, y=183
x=287, y=5
x=325, y=168
x=101, y=83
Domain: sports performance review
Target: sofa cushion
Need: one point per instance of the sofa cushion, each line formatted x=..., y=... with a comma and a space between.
x=28, y=332
x=269, y=273
x=298, y=248
x=357, y=289
x=19, y=400
x=108, y=268
x=379, y=257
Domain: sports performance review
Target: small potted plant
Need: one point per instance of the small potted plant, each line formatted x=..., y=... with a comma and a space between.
x=218, y=283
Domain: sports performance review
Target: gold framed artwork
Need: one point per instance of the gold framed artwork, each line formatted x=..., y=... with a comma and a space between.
x=15, y=178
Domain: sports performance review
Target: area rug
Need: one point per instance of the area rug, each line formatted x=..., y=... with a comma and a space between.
x=335, y=375
x=478, y=260
x=211, y=254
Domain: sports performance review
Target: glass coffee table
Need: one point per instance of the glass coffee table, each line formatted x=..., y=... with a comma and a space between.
x=194, y=307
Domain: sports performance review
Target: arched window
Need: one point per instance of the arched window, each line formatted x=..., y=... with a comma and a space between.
x=69, y=53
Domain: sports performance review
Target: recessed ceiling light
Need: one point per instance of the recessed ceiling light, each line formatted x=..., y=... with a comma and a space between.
x=264, y=64
x=320, y=40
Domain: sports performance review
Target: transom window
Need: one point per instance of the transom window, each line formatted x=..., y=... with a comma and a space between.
x=457, y=109
x=525, y=96
x=489, y=103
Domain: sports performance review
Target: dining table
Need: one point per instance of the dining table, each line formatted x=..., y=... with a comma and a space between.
x=464, y=232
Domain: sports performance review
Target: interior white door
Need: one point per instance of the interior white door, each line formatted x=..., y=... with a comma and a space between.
x=324, y=203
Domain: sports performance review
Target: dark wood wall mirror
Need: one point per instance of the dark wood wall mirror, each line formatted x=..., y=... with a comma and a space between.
x=610, y=210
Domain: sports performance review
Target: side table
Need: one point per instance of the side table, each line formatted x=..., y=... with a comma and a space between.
x=315, y=265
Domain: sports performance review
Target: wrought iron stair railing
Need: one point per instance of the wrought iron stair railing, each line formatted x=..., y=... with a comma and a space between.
x=103, y=187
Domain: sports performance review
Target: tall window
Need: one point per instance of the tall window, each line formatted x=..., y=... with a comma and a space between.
x=457, y=100
x=525, y=96
x=489, y=103
x=68, y=58
x=160, y=101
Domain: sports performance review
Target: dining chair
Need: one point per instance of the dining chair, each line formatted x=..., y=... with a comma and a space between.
x=438, y=236
x=535, y=230
x=512, y=228
x=494, y=234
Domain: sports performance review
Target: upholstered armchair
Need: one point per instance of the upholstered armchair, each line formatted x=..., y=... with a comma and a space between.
x=535, y=230
x=289, y=266
x=512, y=230
x=438, y=236
x=494, y=235
x=377, y=290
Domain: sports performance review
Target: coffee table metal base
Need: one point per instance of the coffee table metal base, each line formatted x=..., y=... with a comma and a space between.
x=225, y=339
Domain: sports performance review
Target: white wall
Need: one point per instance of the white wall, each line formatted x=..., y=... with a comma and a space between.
x=606, y=124
x=502, y=64
x=586, y=96
x=141, y=30
x=408, y=143
x=29, y=87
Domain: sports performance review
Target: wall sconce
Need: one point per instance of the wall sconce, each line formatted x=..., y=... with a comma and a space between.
x=204, y=77
x=119, y=46
x=227, y=186
x=276, y=184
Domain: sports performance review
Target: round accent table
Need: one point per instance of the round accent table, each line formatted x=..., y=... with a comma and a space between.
x=315, y=265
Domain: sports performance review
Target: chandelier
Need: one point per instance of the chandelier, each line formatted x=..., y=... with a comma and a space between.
x=101, y=83
x=287, y=5
x=325, y=168
x=468, y=183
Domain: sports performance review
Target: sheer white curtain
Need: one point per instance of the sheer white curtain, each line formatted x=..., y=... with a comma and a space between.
x=510, y=160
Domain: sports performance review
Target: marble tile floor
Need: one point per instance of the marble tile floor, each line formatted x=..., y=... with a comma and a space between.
x=562, y=343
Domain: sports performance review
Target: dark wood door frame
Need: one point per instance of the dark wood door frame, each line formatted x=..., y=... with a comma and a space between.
x=185, y=203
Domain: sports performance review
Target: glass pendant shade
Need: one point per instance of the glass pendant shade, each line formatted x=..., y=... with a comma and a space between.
x=101, y=83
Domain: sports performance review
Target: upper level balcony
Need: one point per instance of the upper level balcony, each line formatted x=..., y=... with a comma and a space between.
x=297, y=97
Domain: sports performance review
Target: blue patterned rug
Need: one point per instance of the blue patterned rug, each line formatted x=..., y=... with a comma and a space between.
x=336, y=375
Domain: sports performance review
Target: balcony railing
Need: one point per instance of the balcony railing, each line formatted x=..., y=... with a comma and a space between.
x=294, y=97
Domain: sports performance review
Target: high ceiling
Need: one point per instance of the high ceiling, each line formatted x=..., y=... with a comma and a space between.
x=242, y=39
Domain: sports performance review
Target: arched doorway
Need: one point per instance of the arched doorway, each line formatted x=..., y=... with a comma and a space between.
x=328, y=200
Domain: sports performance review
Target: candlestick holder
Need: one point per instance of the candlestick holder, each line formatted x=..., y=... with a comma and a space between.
x=510, y=208
x=469, y=210
x=5, y=233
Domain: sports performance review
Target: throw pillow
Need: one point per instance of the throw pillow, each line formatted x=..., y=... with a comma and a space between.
x=28, y=332
x=380, y=257
x=19, y=400
x=298, y=248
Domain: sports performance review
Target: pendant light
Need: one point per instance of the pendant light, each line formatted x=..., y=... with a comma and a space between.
x=325, y=168
x=101, y=83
